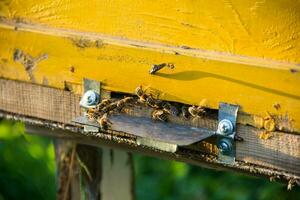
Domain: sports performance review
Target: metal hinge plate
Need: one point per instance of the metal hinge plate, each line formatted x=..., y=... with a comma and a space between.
x=226, y=132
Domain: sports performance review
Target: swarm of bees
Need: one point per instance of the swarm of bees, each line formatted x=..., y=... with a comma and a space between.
x=161, y=109
x=106, y=107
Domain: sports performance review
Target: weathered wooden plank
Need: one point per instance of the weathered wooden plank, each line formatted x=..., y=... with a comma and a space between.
x=117, y=175
x=267, y=85
x=280, y=152
x=41, y=102
x=79, y=170
x=67, y=170
x=267, y=29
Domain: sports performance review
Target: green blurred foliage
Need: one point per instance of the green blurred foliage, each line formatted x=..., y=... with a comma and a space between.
x=161, y=179
x=27, y=167
x=27, y=171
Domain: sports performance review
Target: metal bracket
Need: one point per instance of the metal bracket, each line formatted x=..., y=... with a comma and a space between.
x=226, y=132
x=91, y=97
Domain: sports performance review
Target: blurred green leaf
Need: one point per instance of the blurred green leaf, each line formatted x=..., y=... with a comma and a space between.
x=26, y=164
x=161, y=179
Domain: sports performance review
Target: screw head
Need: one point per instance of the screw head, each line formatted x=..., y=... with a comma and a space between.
x=90, y=98
x=225, y=146
x=225, y=127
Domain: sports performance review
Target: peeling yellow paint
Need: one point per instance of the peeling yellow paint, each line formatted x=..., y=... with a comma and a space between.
x=265, y=135
x=252, y=120
x=29, y=62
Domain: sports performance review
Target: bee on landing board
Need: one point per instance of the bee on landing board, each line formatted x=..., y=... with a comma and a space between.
x=102, y=104
x=104, y=122
x=160, y=115
x=172, y=110
x=91, y=114
x=121, y=103
x=185, y=112
x=200, y=110
x=196, y=111
x=141, y=94
x=153, y=103
x=147, y=99
x=109, y=108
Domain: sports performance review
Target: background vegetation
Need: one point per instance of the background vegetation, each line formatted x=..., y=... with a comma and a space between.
x=27, y=171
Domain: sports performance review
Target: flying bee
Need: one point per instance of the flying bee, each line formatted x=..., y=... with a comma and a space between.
x=104, y=122
x=159, y=115
x=167, y=107
x=121, y=103
x=185, y=112
x=196, y=111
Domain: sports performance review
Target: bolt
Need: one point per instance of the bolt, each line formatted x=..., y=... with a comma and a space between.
x=90, y=98
x=225, y=127
x=225, y=146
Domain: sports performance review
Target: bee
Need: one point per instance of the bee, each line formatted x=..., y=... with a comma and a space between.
x=104, y=122
x=110, y=107
x=91, y=114
x=200, y=110
x=141, y=94
x=167, y=107
x=159, y=115
x=197, y=111
x=121, y=103
x=185, y=112
x=102, y=104
x=152, y=102
x=292, y=182
x=158, y=67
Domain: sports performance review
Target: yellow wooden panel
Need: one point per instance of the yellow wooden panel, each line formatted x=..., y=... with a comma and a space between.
x=122, y=68
x=266, y=29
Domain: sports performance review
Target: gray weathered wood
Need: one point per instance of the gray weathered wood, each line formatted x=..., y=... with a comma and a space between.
x=117, y=175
